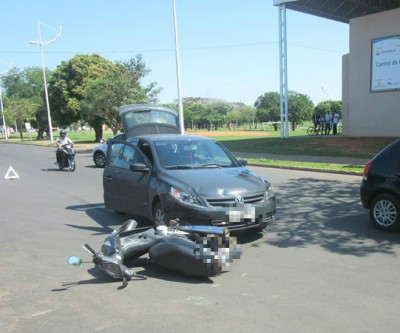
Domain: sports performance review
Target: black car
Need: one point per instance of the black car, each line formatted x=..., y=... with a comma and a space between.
x=380, y=188
x=160, y=174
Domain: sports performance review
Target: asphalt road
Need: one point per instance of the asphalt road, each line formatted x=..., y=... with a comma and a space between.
x=321, y=267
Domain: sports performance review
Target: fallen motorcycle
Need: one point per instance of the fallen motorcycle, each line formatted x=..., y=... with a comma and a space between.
x=200, y=251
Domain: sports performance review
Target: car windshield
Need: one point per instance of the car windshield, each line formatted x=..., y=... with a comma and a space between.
x=193, y=154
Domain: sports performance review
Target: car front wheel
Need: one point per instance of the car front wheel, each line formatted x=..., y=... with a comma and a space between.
x=158, y=215
x=100, y=159
x=385, y=212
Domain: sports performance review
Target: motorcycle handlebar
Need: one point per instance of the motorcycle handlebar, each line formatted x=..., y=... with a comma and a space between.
x=89, y=248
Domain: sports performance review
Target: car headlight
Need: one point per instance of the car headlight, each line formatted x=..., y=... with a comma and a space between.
x=268, y=193
x=186, y=197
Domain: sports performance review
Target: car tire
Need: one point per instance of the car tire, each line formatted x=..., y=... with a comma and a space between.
x=158, y=215
x=385, y=212
x=99, y=159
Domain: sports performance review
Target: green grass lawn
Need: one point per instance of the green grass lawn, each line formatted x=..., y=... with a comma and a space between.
x=311, y=146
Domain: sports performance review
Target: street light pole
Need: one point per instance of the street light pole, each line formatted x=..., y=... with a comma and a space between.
x=40, y=43
x=178, y=73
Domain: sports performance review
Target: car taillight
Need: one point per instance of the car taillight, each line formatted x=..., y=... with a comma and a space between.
x=366, y=169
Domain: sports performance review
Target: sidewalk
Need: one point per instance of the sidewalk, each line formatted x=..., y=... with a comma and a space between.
x=302, y=158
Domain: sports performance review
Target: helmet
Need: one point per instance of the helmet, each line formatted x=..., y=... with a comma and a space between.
x=63, y=132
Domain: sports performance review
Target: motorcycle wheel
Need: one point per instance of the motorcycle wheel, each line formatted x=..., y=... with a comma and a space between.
x=71, y=163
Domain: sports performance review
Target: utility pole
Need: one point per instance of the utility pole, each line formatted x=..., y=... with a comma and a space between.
x=41, y=44
x=283, y=73
x=178, y=72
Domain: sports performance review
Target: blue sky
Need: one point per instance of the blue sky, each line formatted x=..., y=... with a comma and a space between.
x=229, y=49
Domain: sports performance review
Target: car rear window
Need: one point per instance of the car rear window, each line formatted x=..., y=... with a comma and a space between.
x=151, y=116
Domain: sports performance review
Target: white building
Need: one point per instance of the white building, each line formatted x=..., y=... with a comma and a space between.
x=371, y=70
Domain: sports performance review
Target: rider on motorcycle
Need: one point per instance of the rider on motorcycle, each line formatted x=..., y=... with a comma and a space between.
x=62, y=140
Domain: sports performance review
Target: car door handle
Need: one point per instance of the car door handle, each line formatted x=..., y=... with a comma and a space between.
x=108, y=178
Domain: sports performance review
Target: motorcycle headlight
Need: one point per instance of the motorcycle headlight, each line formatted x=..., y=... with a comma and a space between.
x=111, y=269
x=186, y=197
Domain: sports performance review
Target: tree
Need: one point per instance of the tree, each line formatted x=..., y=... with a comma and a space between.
x=328, y=106
x=217, y=113
x=268, y=108
x=200, y=114
x=233, y=118
x=248, y=113
x=68, y=84
x=120, y=85
x=323, y=108
x=28, y=84
x=300, y=108
x=20, y=111
x=189, y=118
x=137, y=71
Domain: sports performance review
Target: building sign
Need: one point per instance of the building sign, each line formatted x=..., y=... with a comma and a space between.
x=385, y=64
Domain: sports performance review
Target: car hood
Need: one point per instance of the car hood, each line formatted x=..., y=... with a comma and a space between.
x=217, y=182
x=144, y=119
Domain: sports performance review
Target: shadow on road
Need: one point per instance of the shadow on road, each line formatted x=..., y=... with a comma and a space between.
x=310, y=211
x=106, y=219
x=141, y=266
x=327, y=213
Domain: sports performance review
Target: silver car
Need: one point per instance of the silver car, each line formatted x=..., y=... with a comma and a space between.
x=99, y=152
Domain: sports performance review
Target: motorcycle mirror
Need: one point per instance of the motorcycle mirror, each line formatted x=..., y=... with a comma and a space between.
x=74, y=261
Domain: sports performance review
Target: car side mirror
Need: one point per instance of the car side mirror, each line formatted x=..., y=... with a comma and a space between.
x=243, y=162
x=139, y=167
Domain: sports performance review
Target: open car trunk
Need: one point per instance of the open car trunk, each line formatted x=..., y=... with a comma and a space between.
x=143, y=119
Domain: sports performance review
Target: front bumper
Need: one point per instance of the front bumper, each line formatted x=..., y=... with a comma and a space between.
x=235, y=217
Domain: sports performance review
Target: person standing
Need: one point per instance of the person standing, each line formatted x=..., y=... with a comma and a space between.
x=315, y=120
x=322, y=124
x=336, y=118
x=328, y=123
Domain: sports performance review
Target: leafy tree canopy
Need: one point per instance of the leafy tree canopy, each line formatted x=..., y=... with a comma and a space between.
x=25, y=87
x=300, y=108
x=69, y=82
x=268, y=107
x=329, y=106
x=21, y=110
x=119, y=85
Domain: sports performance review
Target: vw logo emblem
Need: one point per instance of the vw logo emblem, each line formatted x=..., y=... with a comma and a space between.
x=239, y=199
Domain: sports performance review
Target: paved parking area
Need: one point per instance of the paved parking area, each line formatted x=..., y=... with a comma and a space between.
x=321, y=267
